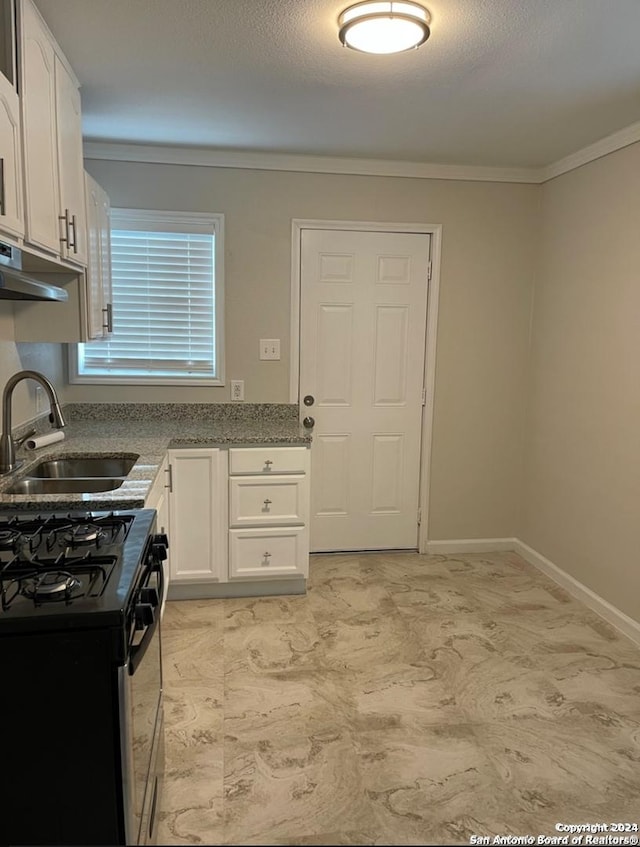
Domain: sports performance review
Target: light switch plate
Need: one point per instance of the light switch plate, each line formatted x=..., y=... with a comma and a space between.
x=269, y=348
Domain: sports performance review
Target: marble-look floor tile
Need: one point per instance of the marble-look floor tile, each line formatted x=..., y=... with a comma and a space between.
x=193, y=653
x=564, y=767
x=272, y=648
x=344, y=597
x=365, y=641
x=194, y=714
x=192, y=800
x=292, y=785
x=391, y=696
x=293, y=703
x=405, y=699
x=325, y=567
x=432, y=595
x=421, y=784
x=187, y=614
x=247, y=611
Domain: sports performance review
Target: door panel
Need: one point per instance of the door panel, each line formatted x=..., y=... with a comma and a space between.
x=362, y=330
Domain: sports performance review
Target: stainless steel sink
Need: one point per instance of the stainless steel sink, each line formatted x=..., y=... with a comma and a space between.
x=92, y=466
x=79, y=485
x=71, y=475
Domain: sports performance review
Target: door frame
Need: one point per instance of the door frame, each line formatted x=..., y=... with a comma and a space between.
x=433, y=296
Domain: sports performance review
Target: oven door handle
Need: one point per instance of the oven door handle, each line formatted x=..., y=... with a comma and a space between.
x=136, y=653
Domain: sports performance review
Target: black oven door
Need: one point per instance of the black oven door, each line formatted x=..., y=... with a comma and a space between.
x=141, y=715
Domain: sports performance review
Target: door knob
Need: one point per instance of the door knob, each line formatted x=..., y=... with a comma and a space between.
x=309, y=400
x=308, y=423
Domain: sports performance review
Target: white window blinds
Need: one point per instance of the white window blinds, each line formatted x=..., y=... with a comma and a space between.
x=164, y=300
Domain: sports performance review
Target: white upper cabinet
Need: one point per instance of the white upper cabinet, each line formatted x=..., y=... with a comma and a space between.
x=73, y=236
x=52, y=143
x=98, y=290
x=11, y=215
x=39, y=132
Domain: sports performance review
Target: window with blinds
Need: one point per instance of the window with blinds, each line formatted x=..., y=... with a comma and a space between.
x=166, y=301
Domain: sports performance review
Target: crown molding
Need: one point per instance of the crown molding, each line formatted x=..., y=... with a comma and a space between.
x=213, y=158
x=609, y=144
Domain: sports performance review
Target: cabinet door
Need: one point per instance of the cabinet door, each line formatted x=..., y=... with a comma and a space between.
x=11, y=217
x=158, y=499
x=70, y=168
x=98, y=288
x=197, y=515
x=104, y=220
x=39, y=133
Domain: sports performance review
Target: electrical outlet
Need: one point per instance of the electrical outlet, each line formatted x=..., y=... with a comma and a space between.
x=270, y=348
x=237, y=389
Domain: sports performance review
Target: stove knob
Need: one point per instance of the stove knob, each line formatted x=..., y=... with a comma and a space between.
x=149, y=596
x=159, y=552
x=145, y=615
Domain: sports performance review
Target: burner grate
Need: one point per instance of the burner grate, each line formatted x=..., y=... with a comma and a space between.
x=65, y=578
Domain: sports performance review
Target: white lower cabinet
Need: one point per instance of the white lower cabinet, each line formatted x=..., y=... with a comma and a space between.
x=268, y=512
x=198, y=514
x=158, y=499
x=233, y=520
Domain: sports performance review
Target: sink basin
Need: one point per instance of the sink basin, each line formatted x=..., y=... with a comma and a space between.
x=35, y=485
x=91, y=466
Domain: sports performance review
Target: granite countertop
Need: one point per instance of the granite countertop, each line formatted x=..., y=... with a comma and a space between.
x=148, y=430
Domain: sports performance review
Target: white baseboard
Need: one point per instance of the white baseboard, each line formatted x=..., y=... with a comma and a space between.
x=623, y=623
x=471, y=545
x=626, y=625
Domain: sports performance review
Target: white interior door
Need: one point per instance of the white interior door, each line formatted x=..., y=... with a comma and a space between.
x=363, y=307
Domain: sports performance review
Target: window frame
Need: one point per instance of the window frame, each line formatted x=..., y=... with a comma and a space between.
x=181, y=219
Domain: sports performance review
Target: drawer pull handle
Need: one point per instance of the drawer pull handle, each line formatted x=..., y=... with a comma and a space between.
x=265, y=559
x=267, y=464
x=267, y=503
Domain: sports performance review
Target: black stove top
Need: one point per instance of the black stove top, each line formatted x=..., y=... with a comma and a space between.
x=73, y=569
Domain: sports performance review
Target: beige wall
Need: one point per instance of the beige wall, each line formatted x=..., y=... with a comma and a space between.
x=46, y=358
x=581, y=494
x=488, y=250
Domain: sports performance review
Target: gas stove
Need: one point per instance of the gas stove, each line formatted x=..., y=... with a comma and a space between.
x=80, y=644
x=75, y=566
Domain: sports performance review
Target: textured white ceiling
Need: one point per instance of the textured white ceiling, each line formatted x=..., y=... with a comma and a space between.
x=499, y=83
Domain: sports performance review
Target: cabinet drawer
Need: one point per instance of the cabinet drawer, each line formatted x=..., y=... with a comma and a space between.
x=268, y=460
x=267, y=553
x=254, y=500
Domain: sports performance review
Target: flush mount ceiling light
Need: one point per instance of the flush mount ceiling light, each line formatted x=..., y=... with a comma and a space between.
x=384, y=27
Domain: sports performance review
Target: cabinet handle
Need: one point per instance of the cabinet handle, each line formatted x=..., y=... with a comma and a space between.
x=267, y=464
x=266, y=557
x=3, y=210
x=169, y=470
x=108, y=312
x=65, y=239
x=267, y=503
x=73, y=226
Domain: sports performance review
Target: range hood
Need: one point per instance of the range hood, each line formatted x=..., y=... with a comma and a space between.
x=16, y=285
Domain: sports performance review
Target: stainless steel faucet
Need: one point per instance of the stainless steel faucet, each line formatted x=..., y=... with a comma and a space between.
x=7, y=444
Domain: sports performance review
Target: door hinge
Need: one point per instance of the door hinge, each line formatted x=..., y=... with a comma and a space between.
x=424, y=396
x=428, y=271
x=419, y=516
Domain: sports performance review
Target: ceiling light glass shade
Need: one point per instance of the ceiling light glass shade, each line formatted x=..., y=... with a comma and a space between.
x=384, y=27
